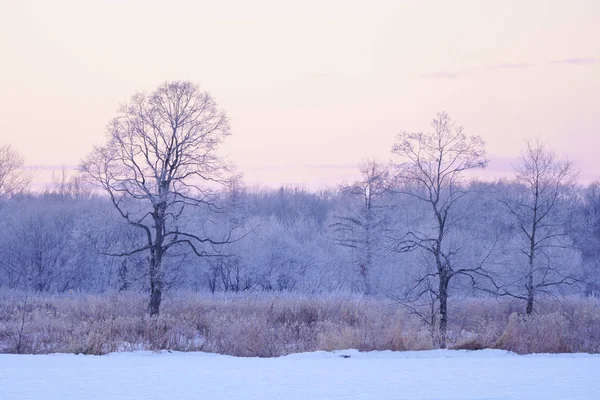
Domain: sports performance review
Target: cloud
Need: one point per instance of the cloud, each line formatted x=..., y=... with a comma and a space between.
x=507, y=66
x=471, y=71
x=474, y=70
x=576, y=61
x=324, y=75
x=39, y=167
x=446, y=75
x=311, y=166
x=333, y=166
x=502, y=164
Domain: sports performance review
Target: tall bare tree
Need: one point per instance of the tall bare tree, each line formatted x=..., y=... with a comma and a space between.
x=13, y=179
x=432, y=171
x=546, y=181
x=160, y=159
x=360, y=228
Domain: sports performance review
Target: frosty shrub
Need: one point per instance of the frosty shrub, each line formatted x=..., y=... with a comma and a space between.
x=274, y=325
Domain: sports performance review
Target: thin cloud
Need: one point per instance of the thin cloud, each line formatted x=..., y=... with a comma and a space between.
x=508, y=66
x=333, y=166
x=40, y=167
x=263, y=168
x=312, y=166
x=503, y=165
x=446, y=75
x=324, y=75
x=576, y=61
x=474, y=70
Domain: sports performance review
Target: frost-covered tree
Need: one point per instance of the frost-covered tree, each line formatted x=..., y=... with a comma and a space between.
x=431, y=169
x=545, y=181
x=160, y=159
x=360, y=225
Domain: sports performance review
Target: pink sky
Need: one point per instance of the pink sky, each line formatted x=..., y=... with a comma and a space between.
x=311, y=87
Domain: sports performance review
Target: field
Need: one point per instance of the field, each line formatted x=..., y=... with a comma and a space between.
x=436, y=374
x=276, y=325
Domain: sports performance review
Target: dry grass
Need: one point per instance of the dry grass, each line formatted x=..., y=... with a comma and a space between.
x=277, y=325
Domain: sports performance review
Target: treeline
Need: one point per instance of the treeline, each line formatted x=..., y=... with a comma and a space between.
x=293, y=240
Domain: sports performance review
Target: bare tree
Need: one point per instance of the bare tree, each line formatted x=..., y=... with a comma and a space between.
x=13, y=179
x=546, y=181
x=160, y=159
x=360, y=228
x=432, y=172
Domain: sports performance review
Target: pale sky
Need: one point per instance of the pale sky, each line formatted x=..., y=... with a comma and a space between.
x=311, y=87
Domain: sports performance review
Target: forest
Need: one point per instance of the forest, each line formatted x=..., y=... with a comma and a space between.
x=155, y=214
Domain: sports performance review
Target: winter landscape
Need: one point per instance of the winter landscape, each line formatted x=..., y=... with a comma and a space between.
x=326, y=200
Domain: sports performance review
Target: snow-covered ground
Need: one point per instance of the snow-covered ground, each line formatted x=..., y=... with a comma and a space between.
x=439, y=374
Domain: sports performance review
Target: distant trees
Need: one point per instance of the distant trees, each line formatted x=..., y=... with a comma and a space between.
x=65, y=187
x=545, y=183
x=41, y=248
x=431, y=170
x=13, y=180
x=159, y=160
x=585, y=233
x=44, y=242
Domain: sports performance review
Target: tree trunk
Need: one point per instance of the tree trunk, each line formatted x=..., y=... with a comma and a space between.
x=530, y=294
x=532, y=250
x=443, y=294
x=156, y=257
x=369, y=250
x=529, y=284
x=155, y=299
x=155, y=284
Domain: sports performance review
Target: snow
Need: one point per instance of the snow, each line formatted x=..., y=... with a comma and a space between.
x=438, y=374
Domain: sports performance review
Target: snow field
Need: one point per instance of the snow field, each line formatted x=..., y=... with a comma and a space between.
x=437, y=374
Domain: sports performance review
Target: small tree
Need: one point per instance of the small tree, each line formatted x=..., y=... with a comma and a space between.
x=546, y=180
x=431, y=171
x=13, y=180
x=160, y=159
